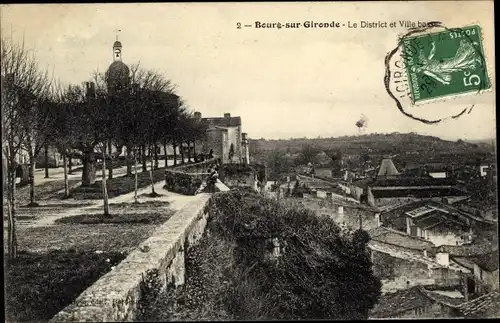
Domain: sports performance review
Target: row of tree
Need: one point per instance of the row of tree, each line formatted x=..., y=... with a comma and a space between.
x=90, y=121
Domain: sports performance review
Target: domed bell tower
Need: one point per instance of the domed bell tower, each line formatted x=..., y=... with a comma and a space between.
x=117, y=76
x=117, y=51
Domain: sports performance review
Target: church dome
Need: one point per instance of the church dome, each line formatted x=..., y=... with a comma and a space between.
x=118, y=74
x=117, y=44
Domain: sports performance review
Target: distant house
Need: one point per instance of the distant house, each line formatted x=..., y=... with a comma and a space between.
x=224, y=136
x=437, y=225
x=390, y=185
x=437, y=222
x=54, y=158
x=486, y=272
x=416, y=302
x=397, y=256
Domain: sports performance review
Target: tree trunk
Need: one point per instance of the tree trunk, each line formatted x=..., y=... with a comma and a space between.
x=181, y=149
x=32, y=177
x=156, y=156
x=165, y=152
x=174, y=145
x=66, y=184
x=89, y=169
x=46, y=161
x=194, y=151
x=129, y=161
x=189, y=152
x=104, y=188
x=110, y=167
x=151, y=175
x=143, y=156
x=70, y=165
x=11, y=230
x=135, y=173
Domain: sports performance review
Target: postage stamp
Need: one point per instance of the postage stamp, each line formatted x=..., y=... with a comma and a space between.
x=444, y=64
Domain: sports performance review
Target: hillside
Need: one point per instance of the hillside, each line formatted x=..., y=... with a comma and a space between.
x=403, y=144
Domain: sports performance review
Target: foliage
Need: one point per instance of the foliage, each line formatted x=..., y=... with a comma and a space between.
x=425, y=147
x=38, y=286
x=321, y=274
x=277, y=164
x=150, y=289
x=307, y=155
x=297, y=190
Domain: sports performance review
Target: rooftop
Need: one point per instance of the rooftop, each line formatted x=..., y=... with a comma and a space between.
x=487, y=261
x=466, y=250
x=485, y=306
x=423, y=207
x=397, y=238
x=390, y=305
x=413, y=255
x=226, y=121
x=387, y=168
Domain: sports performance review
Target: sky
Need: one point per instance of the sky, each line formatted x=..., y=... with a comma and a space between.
x=282, y=82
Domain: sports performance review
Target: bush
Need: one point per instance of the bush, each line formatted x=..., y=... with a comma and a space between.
x=38, y=286
x=320, y=274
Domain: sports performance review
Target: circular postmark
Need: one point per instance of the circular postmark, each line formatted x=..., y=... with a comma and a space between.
x=435, y=72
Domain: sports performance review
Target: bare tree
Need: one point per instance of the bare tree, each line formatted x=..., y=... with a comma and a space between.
x=24, y=86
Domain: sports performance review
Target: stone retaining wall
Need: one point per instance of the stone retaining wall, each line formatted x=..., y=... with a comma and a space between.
x=116, y=296
x=186, y=179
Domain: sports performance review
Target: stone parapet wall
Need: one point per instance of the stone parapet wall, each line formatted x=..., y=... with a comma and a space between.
x=117, y=295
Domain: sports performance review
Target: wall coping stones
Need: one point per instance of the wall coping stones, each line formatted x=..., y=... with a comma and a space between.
x=115, y=296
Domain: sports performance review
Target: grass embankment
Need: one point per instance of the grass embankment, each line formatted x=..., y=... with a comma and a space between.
x=131, y=218
x=56, y=263
x=38, y=286
x=43, y=191
x=319, y=272
x=117, y=185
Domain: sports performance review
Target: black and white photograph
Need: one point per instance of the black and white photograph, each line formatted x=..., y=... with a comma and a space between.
x=249, y=161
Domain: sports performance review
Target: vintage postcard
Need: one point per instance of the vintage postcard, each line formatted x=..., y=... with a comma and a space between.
x=249, y=161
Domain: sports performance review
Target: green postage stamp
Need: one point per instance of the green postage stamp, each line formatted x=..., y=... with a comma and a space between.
x=445, y=64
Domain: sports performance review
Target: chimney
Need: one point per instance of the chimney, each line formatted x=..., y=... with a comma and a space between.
x=227, y=115
x=197, y=115
x=377, y=218
x=245, y=150
x=443, y=258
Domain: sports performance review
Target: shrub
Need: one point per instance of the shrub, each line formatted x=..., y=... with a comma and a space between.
x=320, y=274
x=38, y=286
